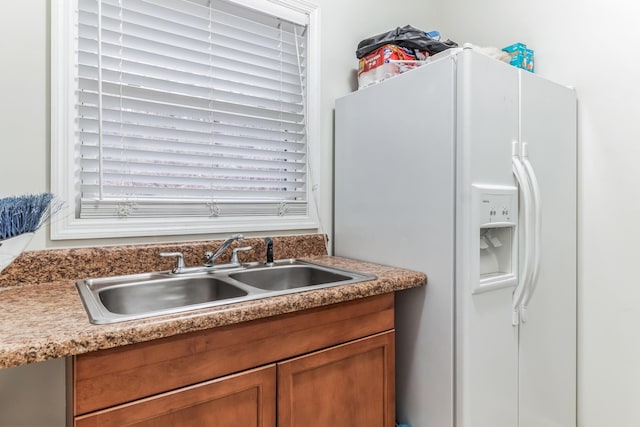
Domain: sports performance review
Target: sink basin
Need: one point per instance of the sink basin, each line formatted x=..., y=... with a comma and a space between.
x=287, y=277
x=165, y=294
x=116, y=299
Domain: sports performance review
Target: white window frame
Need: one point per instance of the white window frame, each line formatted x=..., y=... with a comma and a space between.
x=63, y=136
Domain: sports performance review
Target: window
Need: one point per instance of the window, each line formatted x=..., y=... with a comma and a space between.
x=182, y=116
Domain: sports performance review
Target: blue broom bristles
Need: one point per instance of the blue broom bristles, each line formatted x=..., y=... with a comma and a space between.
x=24, y=214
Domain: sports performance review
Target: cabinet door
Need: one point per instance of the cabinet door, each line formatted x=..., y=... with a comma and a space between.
x=246, y=399
x=349, y=385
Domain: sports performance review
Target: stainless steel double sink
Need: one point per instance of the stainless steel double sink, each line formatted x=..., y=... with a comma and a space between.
x=120, y=298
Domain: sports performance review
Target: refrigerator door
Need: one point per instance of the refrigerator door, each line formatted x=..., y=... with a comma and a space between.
x=487, y=342
x=394, y=205
x=547, y=383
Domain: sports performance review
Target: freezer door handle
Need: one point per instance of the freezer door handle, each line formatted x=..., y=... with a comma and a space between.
x=535, y=233
x=525, y=190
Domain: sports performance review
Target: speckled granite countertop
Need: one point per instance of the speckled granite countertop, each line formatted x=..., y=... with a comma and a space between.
x=45, y=321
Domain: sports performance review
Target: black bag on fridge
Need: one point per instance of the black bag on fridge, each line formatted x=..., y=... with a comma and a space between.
x=408, y=37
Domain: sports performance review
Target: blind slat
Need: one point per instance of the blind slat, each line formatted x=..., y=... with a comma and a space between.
x=188, y=11
x=90, y=139
x=197, y=174
x=89, y=99
x=117, y=128
x=135, y=60
x=160, y=150
x=198, y=99
x=287, y=103
x=190, y=123
x=152, y=181
x=233, y=164
x=220, y=23
x=165, y=37
x=113, y=40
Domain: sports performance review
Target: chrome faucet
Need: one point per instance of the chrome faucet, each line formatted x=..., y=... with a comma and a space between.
x=210, y=257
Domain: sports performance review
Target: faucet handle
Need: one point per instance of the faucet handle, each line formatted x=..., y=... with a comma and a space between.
x=180, y=265
x=234, y=256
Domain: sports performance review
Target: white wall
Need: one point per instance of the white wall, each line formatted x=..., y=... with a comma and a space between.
x=344, y=24
x=24, y=99
x=589, y=45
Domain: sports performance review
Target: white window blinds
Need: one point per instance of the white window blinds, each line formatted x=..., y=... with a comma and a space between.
x=190, y=108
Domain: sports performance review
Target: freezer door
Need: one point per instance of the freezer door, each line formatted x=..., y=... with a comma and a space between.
x=394, y=205
x=547, y=383
x=487, y=343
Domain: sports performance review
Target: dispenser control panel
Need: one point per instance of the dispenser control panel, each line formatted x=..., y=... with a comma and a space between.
x=497, y=208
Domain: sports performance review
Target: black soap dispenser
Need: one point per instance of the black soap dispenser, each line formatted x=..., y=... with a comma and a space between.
x=269, y=243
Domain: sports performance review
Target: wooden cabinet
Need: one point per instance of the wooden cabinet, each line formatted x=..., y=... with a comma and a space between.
x=344, y=386
x=329, y=366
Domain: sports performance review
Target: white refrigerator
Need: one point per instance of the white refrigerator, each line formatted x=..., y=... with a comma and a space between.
x=465, y=169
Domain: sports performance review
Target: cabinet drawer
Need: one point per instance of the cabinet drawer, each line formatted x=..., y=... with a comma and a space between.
x=111, y=377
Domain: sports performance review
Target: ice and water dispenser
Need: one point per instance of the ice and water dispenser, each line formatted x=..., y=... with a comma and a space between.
x=496, y=213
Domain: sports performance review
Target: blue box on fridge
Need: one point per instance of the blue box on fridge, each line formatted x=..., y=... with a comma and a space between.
x=521, y=56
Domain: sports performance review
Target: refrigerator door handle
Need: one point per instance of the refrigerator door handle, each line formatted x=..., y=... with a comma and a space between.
x=536, y=232
x=524, y=274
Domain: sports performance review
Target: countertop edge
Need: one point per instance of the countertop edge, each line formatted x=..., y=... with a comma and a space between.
x=65, y=338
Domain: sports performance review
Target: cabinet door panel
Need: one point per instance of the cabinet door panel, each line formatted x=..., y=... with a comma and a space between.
x=242, y=400
x=347, y=385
